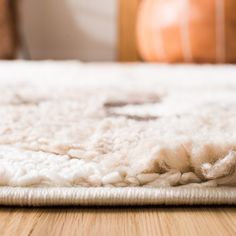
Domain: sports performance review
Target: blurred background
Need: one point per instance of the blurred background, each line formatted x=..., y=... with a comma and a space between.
x=163, y=31
x=59, y=29
x=70, y=29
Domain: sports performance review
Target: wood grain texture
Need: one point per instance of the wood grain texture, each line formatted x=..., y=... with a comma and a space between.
x=118, y=221
x=127, y=48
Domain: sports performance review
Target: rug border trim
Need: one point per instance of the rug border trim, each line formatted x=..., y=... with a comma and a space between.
x=130, y=196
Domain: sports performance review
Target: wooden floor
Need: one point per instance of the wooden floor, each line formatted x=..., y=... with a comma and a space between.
x=118, y=221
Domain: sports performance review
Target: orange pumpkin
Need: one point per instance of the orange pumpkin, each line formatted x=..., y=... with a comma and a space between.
x=201, y=31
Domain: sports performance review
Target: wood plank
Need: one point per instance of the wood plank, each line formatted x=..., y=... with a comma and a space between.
x=127, y=48
x=118, y=221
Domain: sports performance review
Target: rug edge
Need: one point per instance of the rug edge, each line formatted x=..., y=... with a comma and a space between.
x=130, y=196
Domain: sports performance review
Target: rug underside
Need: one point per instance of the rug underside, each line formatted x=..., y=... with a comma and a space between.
x=74, y=125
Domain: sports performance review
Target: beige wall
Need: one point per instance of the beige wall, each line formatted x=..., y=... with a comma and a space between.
x=70, y=29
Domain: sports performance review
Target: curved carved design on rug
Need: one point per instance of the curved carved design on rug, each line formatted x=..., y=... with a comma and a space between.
x=112, y=135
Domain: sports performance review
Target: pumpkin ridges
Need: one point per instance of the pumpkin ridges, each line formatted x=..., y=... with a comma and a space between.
x=211, y=32
x=143, y=36
x=203, y=31
x=158, y=45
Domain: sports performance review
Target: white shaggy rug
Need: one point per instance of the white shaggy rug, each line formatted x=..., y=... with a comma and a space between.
x=68, y=124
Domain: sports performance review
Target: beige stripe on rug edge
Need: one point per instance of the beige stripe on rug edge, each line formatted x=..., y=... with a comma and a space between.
x=11, y=196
